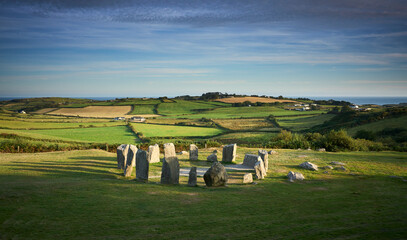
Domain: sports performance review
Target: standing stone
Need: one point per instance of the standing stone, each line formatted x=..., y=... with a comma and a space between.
x=153, y=153
x=170, y=171
x=169, y=150
x=130, y=160
x=250, y=160
x=259, y=169
x=265, y=157
x=131, y=155
x=292, y=176
x=216, y=175
x=248, y=178
x=229, y=153
x=212, y=158
x=309, y=166
x=193, y=152
x=142, y=165
x=192, y=180
x=122, y=155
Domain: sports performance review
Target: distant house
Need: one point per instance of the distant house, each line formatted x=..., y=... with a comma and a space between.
x=22, y=112
x=137, y=119
x=354, y=107
x=119, y=118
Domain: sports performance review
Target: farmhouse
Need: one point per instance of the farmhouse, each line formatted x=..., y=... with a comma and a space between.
x=137, y=119
x=22, y=112
x=119, y=118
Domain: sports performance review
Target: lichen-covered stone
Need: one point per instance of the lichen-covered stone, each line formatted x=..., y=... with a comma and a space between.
x=193, y=152
x=250, y=160
x=216, y=175
x=122, y=155
x=169, y=150
x=248, y=178
x=229, y=153
x=212, y=158
x=293, y=176
x=309, y=166
x=192, y=180
x=170, y=171
x=265, y=157
x=142, y=165
x=259, y=169
x=153, y=153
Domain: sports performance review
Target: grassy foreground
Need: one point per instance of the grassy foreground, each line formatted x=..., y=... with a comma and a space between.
x=81, y=195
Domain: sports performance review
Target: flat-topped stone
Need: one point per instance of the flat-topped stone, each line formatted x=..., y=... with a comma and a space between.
x=250, y=160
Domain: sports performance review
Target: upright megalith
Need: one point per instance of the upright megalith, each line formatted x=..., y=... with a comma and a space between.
x=265, y=157
x=122, y=155
x=142, y=165
x=216, y=175
x=193, y=152
x=153, y=153
x=229, y=153
x=169, y=150
x=130, y=160
x=170, y=171
x=259, y=169
x=192, y=180
x=131, y=155
x=250, y=160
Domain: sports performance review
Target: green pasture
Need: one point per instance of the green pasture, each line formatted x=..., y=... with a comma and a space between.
x=299, y=123
x=18, y=124
x=182, y=107
x=142, y=109
x=248, y=112
x=399, y=122
x=82, y=195
x=111, y=135
x=153, y=130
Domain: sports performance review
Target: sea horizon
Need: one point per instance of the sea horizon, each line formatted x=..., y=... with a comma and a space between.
x=353, y=100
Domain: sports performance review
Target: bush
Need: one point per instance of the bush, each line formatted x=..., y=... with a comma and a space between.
x=338, y=141
x=364, y=134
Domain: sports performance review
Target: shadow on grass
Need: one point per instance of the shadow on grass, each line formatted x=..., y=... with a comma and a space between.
x=74, y=169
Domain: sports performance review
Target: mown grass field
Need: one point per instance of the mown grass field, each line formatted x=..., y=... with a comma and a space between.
x=247, y=112
x=182, y=107
x=244, y=124
x=94, y=111
x=142, y=109
x=111, y=135
x=298, y=123
x=18, y=124
x=153, y=130
x=399, y=122
x=81, y=195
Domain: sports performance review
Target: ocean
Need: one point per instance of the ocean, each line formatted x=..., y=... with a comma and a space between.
x=354, y=100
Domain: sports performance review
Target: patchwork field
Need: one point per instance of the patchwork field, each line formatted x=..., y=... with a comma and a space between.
x=182, y=107
x=63, y=195
x=142, y=109
x=253, y=100
x=398, y=122
x=111, y=135
x=153, y=130
x=299, y=123
x=19, y=124
x=244, y=124
x=247, y=112
x=94, y=111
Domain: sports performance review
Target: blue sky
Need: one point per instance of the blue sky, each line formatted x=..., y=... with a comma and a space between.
x=154, y=48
